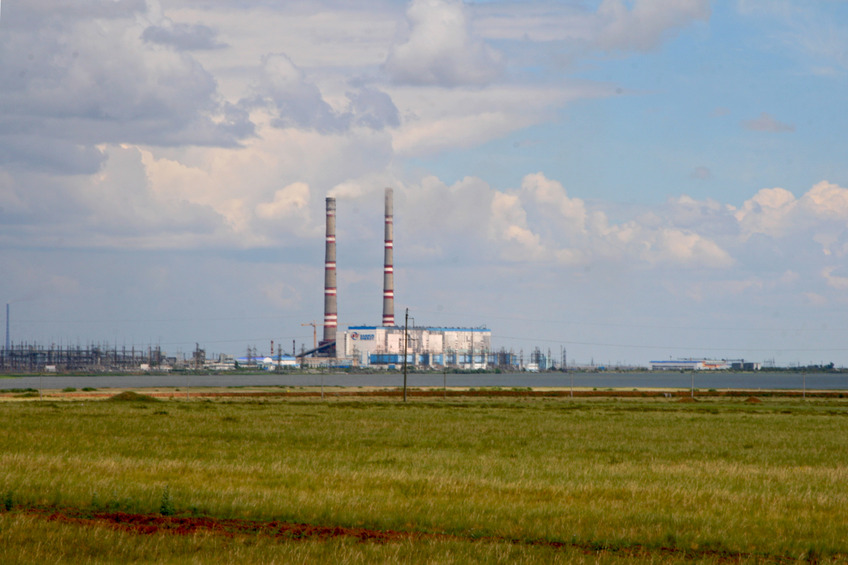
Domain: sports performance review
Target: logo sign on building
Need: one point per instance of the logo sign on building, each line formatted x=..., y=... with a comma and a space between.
x=362, y=337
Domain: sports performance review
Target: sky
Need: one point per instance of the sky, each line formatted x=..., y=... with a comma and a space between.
x=622, y=180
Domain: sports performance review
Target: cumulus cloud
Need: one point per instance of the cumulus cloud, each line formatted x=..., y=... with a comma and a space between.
x=682, y=248
x=297, y=102
x=440, y=49
x=84, y=76
x=820, y=217
x=767, y=123
x=767, y=212
x=115, y=208
x=540, y=223
x=291, y=200
x=827, y=201
x=373, y=109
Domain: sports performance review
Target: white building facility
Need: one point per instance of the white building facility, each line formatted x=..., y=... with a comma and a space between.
x=689, y=365
x=382, y=346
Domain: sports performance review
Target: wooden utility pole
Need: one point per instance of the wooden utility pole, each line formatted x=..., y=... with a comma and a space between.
x=405, y=344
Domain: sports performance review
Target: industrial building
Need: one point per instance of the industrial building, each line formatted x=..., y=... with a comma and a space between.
x=426, y=347
x=687, y=365
x=703, y=365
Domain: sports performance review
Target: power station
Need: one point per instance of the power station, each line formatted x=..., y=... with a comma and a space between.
x=389, y=345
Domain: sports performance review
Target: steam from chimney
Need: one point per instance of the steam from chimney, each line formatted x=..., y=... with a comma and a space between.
x=330, y=307
x=388, y=264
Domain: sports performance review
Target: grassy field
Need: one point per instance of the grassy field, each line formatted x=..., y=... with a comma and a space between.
x=462, y=480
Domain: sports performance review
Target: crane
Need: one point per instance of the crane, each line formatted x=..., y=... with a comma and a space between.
x=314, y=333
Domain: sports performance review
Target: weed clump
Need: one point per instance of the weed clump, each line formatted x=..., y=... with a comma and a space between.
x=166, y=506
x=130, y=396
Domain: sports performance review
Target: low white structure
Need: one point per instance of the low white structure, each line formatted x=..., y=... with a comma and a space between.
x=382, y=346
x=689, y=365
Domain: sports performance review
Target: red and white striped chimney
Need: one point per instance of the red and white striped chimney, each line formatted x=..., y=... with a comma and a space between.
x=330, y=306
x=388, y=264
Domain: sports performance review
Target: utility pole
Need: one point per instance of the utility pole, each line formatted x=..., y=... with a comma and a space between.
x=405, y=344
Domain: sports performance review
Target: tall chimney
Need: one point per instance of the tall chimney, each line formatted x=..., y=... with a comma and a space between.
x=8, y=344
x=388, y=264
x=330, y=308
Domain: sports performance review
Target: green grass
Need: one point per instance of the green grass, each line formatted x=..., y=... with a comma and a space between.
x=34, y=540
x=768, y=479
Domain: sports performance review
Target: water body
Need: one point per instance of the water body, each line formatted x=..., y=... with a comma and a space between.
x=670, y=380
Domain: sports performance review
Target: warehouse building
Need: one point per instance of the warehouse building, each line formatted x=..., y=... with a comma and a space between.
x=689, y=365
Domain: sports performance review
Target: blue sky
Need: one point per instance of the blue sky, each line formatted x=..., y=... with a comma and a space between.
x=632, y=180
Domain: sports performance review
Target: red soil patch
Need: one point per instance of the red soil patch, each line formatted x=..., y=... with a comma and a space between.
x=148, y=524
x=753, y=400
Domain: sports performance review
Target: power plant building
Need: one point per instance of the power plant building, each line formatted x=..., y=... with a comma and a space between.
x=383, y=346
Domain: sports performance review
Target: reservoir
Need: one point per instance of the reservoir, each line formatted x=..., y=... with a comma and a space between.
x=705, y=380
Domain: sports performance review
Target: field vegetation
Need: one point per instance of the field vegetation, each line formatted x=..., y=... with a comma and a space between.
x=458, y=480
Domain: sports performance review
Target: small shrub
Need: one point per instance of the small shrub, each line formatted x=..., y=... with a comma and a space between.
x=166, y=507
x=8, y=500
x=69, y=389
x=130, y=396
x=89, y=389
